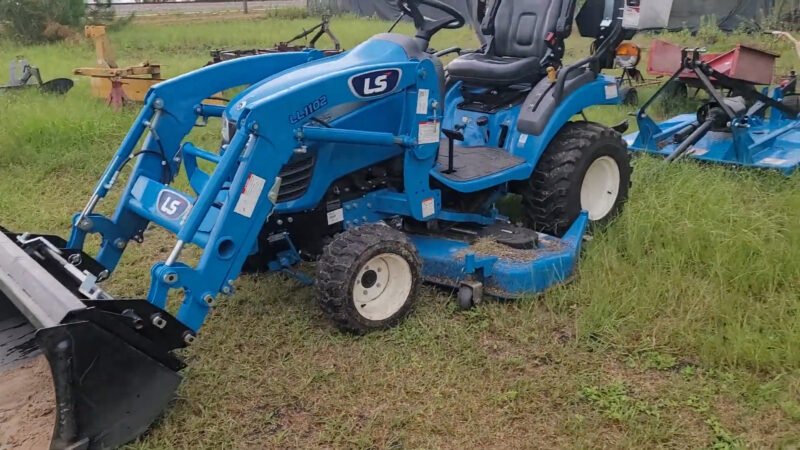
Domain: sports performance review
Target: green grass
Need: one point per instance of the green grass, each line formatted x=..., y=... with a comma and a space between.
x=681, y=330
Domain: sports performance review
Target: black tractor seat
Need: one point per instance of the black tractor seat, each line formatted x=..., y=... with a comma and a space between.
x=527, y=35
x=479, y=69
x=472, y=163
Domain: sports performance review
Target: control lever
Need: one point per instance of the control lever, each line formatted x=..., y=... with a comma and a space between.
x=452, y=136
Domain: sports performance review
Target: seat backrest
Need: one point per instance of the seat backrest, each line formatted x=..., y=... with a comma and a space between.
x=521, y=27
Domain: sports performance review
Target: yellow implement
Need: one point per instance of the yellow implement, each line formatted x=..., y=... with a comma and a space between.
x=111, y=82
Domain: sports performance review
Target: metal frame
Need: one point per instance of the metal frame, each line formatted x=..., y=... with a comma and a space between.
x=754, y=140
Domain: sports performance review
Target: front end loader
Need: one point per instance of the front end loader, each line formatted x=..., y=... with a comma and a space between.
x=379, y=164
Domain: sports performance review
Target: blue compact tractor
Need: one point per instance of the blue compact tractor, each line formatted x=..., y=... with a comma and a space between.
x=379, y=164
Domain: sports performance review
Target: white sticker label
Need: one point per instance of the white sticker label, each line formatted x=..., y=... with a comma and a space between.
x=250, y=195
x=773, y=161
x=523, y=139
x=422, y=101
x=428, y=207
x=336, y=216
x=429, y=132
x=630, y=17
x=611, y=91
x=697, y=151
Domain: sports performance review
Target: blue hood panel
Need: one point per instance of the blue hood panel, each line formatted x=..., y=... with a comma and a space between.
x=365, y=55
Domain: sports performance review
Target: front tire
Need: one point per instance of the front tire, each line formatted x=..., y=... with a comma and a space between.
x=368, y=278
x=586, y=167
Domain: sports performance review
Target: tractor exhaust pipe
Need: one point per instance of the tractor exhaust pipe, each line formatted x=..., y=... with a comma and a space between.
x=112, y=369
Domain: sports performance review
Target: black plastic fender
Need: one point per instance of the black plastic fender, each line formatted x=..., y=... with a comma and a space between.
x=541, y=103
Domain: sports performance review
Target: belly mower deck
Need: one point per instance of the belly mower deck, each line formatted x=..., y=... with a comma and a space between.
x=499, y=269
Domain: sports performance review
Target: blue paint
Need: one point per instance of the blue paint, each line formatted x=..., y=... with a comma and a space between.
x=752, y=141
x=368, y=110
x=449, y=262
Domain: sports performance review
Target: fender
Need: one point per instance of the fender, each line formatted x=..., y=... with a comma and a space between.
x=542, y=116
x=539, y=120
x=542, y=110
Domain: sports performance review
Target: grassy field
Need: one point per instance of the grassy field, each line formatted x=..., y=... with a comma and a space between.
x=681, y=330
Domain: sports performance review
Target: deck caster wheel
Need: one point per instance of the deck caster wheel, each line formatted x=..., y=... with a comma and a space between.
x=368, y=278
x=465, y=298
x=470, y=294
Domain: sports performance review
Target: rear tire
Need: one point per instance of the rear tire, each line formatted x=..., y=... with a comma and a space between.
x=586, y=167
x=368, y=278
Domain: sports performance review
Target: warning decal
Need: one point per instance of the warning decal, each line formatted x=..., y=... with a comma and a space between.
x=250, y=195
x=429, y=132
x=428, y=207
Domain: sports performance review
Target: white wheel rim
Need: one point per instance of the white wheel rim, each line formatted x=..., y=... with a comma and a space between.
x=600, y=187
x=382, y=286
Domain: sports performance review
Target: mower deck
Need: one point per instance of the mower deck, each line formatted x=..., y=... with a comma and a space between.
x=505, y=272
x=718, y=147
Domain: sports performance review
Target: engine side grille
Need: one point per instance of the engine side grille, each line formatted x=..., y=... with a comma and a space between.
x=296, y=177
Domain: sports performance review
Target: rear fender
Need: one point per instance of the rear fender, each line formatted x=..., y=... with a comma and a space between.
x=543, y=116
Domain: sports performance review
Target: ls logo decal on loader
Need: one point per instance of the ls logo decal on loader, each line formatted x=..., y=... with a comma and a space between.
x=171, y=205
x=375, y=83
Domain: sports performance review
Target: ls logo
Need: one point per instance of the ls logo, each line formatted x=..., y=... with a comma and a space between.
x=373, y=84
x=171, y=205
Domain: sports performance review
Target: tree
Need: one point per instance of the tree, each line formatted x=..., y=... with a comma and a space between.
x=31, y=21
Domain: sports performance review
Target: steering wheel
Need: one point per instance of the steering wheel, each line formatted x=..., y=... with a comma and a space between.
x=427, y=28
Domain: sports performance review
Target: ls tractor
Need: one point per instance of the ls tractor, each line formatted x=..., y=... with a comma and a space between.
x=379, y=164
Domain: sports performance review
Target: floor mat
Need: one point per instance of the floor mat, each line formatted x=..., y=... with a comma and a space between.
x=471, y=163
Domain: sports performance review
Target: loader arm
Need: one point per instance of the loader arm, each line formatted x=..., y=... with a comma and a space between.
x=170, y=112
x=112, y=361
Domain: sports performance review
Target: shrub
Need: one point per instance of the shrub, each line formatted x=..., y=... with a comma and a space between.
x=316, y=7
x=35, y=20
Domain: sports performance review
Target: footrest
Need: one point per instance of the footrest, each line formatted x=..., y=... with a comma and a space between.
x=471, y=163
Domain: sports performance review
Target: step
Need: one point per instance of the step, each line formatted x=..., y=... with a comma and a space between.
x=472, y=163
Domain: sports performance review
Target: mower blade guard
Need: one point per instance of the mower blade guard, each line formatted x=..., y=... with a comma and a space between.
x=112, y=375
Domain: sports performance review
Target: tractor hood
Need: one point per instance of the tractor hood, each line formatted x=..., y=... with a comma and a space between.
x=378, y=51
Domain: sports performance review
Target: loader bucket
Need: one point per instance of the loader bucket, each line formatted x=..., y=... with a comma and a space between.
x=110, y=360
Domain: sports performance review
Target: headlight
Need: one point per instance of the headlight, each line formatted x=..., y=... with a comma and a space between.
x=226, y=134
x=228, y=130
x=628, y=55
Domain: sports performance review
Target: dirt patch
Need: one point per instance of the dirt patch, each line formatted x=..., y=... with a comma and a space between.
x=27, y=406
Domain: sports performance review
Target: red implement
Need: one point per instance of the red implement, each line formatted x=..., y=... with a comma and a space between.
x=744, y=63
